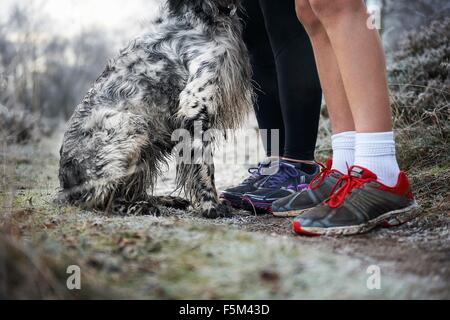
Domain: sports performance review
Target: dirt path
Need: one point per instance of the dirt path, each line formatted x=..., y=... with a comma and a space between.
x=180, y=255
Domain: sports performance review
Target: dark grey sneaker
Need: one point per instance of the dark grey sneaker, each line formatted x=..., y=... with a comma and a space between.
x=234, y=194
x=317, y=192
x=361, y=204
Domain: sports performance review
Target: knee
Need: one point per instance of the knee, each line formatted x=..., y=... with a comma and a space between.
x=328, y=11
x=307, y=17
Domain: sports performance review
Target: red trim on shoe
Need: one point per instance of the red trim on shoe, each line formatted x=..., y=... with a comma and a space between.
x=386, y=225
x=297, y=228
x=402, y=188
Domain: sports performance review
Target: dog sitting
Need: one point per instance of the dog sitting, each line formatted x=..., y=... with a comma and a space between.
x=190, y=70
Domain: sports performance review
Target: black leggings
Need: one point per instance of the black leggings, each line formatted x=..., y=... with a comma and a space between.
x=287, y=84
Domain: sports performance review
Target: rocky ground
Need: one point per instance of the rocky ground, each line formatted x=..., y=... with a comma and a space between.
x=182, y=256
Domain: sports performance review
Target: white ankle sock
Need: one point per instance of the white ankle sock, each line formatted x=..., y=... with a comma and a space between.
x=343, y=150
x=376, y=152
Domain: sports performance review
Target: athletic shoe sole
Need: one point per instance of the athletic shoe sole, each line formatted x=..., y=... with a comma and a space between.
x=397, y=216
x=391, y=223
x=290, y=214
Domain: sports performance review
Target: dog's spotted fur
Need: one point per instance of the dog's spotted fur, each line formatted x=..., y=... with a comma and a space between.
x=190, y=67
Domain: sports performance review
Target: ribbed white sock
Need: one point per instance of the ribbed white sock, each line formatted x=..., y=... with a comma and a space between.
x=376, y=152
x=343, y=150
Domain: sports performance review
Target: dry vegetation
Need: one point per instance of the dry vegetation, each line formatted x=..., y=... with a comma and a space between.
x=420, y=78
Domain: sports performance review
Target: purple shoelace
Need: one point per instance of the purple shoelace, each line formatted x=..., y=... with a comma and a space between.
x=284, y=173
x=298, y=187
x=255, y=173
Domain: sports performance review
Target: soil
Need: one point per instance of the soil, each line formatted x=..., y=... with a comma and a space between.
x=183, y=256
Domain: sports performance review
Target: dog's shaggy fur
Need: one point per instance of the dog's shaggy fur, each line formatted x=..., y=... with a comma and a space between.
x=190, y=68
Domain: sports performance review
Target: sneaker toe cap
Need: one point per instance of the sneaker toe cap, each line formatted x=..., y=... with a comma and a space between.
x=293, y=202
x=278, y=206
x=282, y=205
x=310, y=222
x=301, y=229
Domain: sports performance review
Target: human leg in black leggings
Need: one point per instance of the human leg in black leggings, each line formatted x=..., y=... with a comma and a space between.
x=299, y=89
x=288, y=99
x=267, y=107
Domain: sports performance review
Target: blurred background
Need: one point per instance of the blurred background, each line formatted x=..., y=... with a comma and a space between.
x=52, y=50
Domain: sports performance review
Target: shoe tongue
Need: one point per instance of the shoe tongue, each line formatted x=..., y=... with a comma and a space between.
x=336, y=174
x=274, y=167
x=362, y=173
x=267, y=161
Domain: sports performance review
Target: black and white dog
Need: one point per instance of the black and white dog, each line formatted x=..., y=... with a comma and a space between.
x=190, y=68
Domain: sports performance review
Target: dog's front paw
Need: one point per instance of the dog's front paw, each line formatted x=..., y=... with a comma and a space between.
x=219, y=211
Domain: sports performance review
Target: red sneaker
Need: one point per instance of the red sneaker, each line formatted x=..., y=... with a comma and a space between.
x=360, y=204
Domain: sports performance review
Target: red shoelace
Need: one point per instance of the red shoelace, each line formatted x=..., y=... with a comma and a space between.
x=344, y=187
x=324, y=172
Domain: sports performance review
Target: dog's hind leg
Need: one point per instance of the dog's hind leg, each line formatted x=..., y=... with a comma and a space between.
x=130, y=198
x=123, y=207
x=173, y=202
x=147, y=206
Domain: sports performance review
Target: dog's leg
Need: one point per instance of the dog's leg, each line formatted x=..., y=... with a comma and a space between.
x=201, y=94
x=198, y=111
x=148, y=205
x=199, y=184
x=173, y=202
x=123, y=207
x=195, y=173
